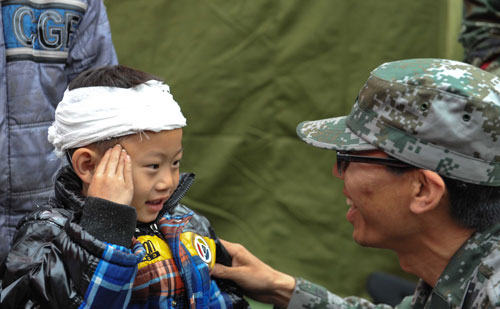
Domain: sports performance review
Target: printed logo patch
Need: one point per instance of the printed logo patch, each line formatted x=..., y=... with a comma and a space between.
x=202, y=249
x=151, y=252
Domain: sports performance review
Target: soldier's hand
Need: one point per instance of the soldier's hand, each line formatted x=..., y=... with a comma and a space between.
x=257, y=279
x=112, y=179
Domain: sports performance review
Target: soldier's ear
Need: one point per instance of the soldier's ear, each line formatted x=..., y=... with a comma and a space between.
x=85, y=161
x=429, y=190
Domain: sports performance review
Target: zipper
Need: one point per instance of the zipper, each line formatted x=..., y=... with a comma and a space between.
x=186, y=181
x=143, y=230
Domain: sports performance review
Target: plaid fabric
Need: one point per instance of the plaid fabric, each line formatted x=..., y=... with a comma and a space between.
x=201, y=292
x=180, y=281
x=160, y=284
x=111, y=284
x=218, y=299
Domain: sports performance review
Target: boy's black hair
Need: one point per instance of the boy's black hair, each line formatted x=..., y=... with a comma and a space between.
x=111, y=76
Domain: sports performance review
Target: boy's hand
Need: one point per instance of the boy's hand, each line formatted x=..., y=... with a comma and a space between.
x=112, y=179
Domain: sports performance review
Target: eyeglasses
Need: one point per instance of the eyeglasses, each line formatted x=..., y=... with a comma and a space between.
x=343, y=160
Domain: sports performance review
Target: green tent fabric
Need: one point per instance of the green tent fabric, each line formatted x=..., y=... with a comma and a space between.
x=245, y=74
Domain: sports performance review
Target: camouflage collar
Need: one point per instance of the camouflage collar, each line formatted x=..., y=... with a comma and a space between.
x=463, y=269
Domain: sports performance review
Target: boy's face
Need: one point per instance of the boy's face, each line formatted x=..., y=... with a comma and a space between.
x=155, y=169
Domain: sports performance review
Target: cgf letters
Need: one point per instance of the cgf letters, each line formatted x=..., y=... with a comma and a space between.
x=54, y=29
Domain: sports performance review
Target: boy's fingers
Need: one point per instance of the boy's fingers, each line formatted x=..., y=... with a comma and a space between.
x=113, y=161
x=101, y=167
x=121, y=164
x=127, y=173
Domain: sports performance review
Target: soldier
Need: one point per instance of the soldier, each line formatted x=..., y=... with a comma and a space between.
x=418, y=155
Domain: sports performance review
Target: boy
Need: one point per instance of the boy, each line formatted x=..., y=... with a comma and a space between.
x=121, y=131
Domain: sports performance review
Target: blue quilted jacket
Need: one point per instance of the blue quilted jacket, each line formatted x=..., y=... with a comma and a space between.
x=43, y=45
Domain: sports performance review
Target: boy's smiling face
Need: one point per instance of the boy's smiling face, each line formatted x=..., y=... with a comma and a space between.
x=155, y=159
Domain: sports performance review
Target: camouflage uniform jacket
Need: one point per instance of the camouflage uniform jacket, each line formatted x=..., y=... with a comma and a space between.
x=480, y=35
x=470, y=280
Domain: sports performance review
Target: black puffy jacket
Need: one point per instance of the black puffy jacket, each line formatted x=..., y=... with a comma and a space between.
x=62, y=255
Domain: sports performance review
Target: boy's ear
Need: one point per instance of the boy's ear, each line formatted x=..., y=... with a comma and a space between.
x=429, y=191
x=85, y=161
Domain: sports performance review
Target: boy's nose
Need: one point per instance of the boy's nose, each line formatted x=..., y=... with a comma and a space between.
x=166, y=183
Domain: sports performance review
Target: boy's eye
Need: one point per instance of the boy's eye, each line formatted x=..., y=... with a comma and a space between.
x=154, y=166
x=177, y=163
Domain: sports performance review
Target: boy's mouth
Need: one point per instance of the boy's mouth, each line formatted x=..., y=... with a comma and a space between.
x=158, y=202
x=155, y=206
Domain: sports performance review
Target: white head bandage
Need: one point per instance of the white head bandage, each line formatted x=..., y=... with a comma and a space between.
x=92, y=114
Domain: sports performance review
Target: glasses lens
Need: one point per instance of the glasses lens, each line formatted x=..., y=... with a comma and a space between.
x=341, y=165
x=344, y=165
x=343, y=160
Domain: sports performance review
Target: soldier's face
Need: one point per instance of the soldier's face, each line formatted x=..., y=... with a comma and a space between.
x=378, y=202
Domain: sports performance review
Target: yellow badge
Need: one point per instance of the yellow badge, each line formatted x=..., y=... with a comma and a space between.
x=156, y=250
x=204, y=247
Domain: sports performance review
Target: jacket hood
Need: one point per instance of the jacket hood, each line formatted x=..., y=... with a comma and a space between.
x=68, y=189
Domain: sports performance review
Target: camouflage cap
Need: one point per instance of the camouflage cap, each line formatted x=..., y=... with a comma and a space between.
x=436, y=114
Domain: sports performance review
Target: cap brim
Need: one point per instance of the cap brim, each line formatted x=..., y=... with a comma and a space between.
x=331, y=133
